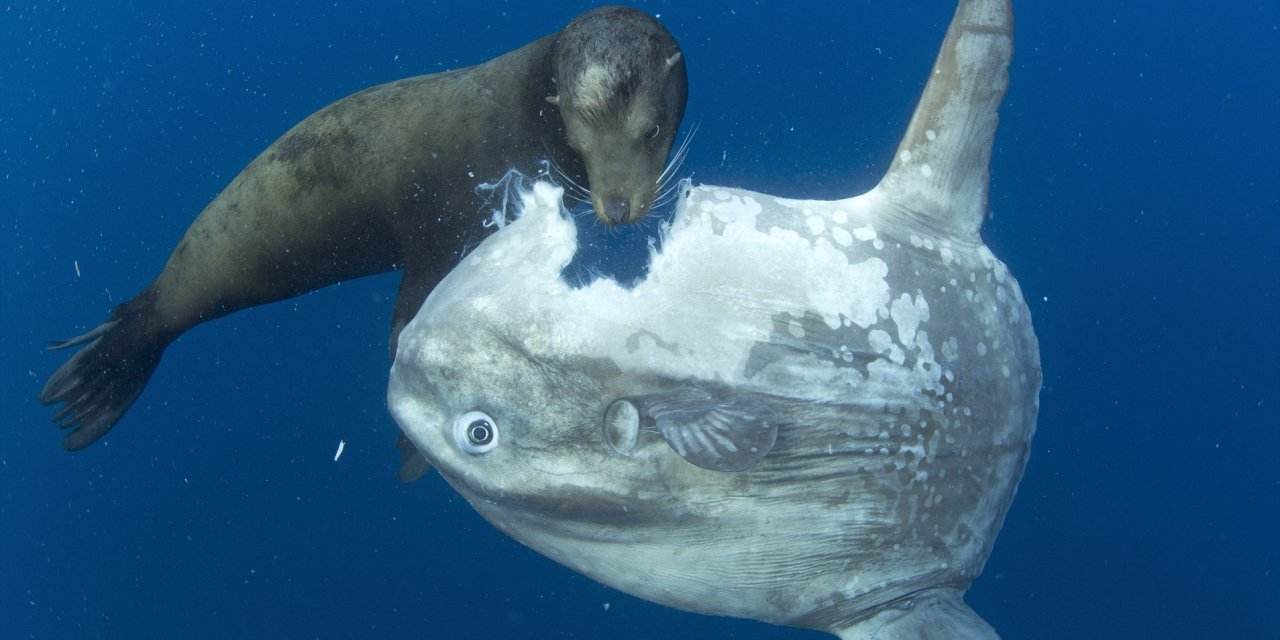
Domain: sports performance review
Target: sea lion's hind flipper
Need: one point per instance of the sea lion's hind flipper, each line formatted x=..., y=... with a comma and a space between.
x=100, y=382
x=56, y=345
x=939, y=174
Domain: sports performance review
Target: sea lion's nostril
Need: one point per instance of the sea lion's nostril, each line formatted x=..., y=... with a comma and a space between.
x=617, y=209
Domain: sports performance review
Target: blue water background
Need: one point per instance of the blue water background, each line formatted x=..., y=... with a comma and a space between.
x=1135, y=195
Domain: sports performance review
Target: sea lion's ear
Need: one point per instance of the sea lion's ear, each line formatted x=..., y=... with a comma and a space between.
x=673, y=60
x=554, y=100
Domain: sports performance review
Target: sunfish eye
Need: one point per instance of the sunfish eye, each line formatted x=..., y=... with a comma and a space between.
x=475, y=432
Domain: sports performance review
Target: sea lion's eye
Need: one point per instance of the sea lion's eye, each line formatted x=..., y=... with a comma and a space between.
x=653, y=133
x=475, y=432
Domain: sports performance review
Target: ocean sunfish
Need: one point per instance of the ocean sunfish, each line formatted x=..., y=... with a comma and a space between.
x=810, y=413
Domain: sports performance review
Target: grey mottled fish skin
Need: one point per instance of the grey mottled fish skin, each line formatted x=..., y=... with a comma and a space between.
x=891, y=350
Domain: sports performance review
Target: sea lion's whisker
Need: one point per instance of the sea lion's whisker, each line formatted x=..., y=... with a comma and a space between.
x=664, y=201
x=677, y=158
x=570, y=185
x=669, y=194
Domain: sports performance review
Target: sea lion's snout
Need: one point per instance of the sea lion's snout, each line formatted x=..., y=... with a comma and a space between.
x=615, y=210
x=618, y=209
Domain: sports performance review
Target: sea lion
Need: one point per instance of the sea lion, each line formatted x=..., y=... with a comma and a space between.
x=385, y=179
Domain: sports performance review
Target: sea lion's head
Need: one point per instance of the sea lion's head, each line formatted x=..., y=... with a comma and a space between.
x=620, y=89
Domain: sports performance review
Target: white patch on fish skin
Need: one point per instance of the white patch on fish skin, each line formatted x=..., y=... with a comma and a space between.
x=816, y=225
x=841, y=236
x=947, y=256
x=717, y=254
x=865, y=233
x=882, y=343
x=951, y=349
x=736, y=210
x=908, y=314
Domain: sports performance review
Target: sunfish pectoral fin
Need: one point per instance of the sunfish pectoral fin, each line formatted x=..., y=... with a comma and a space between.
x=939, y=174
x=716, y=432
x=413, y=465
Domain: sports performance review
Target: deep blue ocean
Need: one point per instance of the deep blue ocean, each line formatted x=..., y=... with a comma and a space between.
x=1135, y=195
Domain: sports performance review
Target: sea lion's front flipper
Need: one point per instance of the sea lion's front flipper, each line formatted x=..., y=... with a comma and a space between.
x=939, y=175
x=721, y=433
x=415, y=284
x=413, y=465
x=103, y=380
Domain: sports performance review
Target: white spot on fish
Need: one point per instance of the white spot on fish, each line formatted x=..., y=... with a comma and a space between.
x=841, y=236
x=816, y=225
x=908, y=315
x=926, y=171
x=931, y=135
x=880, y=342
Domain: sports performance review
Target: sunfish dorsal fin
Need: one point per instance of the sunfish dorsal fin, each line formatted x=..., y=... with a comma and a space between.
x=939, y=175
x=716, y=432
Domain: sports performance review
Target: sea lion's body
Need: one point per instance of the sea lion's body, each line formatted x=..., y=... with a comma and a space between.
x=385, y=179
x=380, y=180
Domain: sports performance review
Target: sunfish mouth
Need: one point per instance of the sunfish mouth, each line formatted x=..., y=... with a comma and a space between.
x=572, y=507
